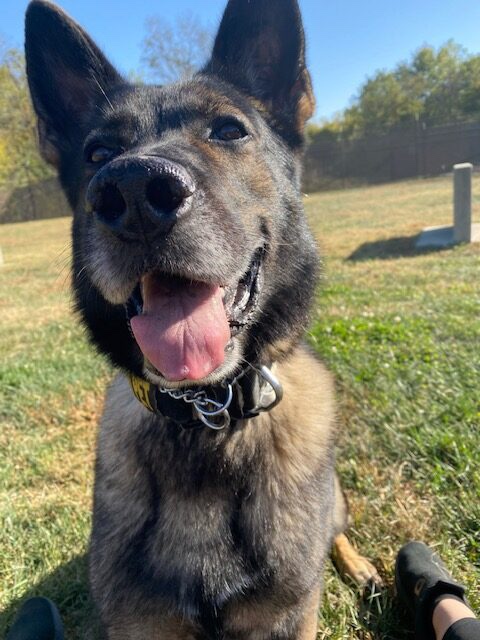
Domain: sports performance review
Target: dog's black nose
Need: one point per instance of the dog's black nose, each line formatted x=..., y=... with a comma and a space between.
x=135, y=196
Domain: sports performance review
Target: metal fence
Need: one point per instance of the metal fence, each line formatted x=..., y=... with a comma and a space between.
x=402, y=153
x=34, y=201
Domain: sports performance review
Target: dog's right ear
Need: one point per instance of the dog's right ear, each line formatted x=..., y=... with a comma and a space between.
x=260, y=48
x=68, y=76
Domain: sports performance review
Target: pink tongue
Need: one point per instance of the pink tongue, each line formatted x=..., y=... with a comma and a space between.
x=183, y=330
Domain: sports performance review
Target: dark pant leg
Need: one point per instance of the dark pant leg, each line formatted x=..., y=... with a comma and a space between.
x=466, y=629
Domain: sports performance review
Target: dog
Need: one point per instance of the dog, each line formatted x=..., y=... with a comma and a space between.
x=215, y=500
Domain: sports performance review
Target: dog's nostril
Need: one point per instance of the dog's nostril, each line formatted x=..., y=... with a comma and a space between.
x=110, y=205
x=166, y=194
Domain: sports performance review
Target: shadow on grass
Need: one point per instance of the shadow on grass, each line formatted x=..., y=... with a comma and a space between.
x=400, y=247
x=381, y=616
x=67, y=586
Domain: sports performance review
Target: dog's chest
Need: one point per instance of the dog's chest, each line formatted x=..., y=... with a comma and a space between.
x=192, y=525
x=177, y=523
x=205, y=548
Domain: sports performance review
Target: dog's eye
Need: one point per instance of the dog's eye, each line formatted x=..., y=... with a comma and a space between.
x=98, y=154
x=228, y=131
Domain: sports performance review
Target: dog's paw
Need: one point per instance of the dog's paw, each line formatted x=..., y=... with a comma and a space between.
x=352, y=565
x=363, y=572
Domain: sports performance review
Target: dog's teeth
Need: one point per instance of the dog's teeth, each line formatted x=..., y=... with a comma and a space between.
x=244, y=292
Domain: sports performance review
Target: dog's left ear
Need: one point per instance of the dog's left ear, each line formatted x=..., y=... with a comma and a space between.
x=260, y=48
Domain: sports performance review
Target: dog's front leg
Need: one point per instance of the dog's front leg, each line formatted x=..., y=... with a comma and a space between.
x=346, y=558
x=309, y=625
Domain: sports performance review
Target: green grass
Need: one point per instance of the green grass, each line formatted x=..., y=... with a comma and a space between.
x=400, y=330
x=51, y=388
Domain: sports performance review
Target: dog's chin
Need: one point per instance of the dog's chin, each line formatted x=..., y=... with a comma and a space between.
x=226, y=371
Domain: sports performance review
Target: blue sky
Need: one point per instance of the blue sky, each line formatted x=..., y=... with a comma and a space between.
x=348, y=40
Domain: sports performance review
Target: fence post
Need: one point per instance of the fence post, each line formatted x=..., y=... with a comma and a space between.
x=462, y=202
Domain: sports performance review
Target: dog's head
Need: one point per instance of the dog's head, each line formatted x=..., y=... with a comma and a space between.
x=186, y=201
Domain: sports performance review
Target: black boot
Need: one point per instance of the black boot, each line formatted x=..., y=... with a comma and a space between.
x=38, y=619
x=421, y=578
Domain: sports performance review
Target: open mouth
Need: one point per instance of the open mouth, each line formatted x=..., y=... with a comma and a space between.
x=185, y=327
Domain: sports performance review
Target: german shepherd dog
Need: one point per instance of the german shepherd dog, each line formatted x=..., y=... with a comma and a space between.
x=215, y=501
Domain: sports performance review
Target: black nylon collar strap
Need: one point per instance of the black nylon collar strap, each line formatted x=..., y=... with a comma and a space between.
x=253, y=391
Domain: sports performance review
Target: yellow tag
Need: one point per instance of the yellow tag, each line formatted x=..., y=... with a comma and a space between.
x=141, y=389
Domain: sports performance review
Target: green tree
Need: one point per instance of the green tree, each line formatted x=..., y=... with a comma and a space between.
x=470, y=96
x=20, y=162
x=434, y=87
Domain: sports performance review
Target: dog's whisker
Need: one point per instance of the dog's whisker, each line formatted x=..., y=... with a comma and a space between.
x=103, y=91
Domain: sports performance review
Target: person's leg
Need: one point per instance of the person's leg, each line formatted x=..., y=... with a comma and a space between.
x=465, y=629
x=435, y=599
x=447, y=611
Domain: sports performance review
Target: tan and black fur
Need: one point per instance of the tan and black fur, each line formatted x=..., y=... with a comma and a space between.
x=247, y=501
x=199, y=533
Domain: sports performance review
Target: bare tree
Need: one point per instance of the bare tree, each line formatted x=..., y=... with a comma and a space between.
x=173, y=50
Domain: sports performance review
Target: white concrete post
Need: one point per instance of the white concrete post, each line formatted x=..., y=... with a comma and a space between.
x=462, y=202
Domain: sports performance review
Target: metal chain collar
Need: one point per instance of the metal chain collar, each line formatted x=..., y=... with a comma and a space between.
x=207, y=408
x=204, y=406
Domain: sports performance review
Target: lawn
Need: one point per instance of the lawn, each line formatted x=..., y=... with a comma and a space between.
x=400, y=330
